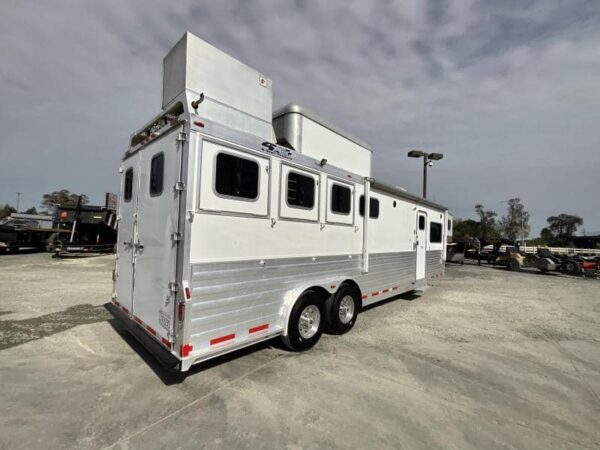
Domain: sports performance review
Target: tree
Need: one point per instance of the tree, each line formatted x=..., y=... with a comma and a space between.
x=64, y=198
x=515, y=224
x=547, y=236
x=563, y=227
x=487, y=223
x=6, y=210
x=465, y=228
x=31, y=210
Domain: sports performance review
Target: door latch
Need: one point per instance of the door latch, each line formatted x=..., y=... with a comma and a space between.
x=173, y=287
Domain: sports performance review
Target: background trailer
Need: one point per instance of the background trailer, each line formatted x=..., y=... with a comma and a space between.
x=237, y=225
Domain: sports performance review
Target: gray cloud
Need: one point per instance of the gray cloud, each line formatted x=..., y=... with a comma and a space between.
x=507, y=90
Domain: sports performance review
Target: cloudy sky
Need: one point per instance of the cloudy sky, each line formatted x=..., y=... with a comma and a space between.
x=509, y=91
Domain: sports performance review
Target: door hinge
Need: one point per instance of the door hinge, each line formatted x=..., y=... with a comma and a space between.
x=182, y=137
x=173, y=287
x=176, y=236
x=180, y=186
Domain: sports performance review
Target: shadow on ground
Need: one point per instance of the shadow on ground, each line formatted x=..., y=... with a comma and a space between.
x=171, y=376
x=17, y=332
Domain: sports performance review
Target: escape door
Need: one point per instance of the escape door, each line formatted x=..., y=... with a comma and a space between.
x=421, y=244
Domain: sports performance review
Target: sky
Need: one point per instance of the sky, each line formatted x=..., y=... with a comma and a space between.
x=508, y=91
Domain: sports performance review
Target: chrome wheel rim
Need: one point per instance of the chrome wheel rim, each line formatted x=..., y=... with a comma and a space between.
x=346, y=309
x=309, y=322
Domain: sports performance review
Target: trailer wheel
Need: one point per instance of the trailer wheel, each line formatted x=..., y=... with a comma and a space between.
x=306, y=323
x=342, y=310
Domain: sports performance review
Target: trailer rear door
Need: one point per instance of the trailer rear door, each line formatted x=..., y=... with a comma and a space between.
x=150, y=235
x=157, y=225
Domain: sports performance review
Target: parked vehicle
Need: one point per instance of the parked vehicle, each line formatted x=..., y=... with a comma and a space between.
x=515, y=260
x=30, y=231
x=238, y=225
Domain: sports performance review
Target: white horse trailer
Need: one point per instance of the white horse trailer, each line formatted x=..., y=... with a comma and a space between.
x=238, y=225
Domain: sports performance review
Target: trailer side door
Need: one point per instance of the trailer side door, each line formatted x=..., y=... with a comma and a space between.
x=421, y=244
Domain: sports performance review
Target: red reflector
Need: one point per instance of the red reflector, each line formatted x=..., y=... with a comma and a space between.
x=394, y=288
x=63, y=214
x=199, y=124
x=137, y=319
x=187, y=293
x=332, y=286
x=364, y=296
x=166, y=342
x=386, y=290
x=185, y=350
x=180, y=312
x=151, y=330
x=258, y=328
x=125, y=309
x=375, y=293
x=222, y=339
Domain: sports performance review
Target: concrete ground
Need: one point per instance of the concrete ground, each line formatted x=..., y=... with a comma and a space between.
x=484, y=359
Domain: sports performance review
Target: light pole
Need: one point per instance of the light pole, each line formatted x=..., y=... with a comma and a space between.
x=428, y=159
x=18, y=200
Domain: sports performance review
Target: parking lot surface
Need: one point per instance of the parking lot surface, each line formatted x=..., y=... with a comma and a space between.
x=485, y=358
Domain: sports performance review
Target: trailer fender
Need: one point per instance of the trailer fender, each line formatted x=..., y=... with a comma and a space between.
x=326, y=286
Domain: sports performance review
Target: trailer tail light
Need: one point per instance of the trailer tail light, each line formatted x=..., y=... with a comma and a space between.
x=180, y=311
x=199, y=124
x=187, y=293
x=588, y=265
x=185, y=350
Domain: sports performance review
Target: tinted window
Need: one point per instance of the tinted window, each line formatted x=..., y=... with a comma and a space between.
x=236, y=177
x=373, y=207
x=300, y=190
x=435, y=232
x=128, y=188
x=157, y=168
x=341, y=199
x=449, y=225
x=421, y=222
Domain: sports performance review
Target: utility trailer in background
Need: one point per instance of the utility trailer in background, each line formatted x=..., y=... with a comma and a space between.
x=237, y=225
x=85, y=229
x=26, y=231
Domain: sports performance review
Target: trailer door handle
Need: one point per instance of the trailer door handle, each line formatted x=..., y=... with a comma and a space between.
x=139, y=248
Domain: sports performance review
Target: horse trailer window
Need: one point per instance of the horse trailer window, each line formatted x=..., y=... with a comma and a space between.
x=449, y=224
x=341, y=199
x=435, y=232
x=373, y=207
x=300, y=190
x=128, y=188
x=421, y=222
x=236, y=177
x=157, y=168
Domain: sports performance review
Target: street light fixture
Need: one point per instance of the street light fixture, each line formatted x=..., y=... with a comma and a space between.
x=427, y=162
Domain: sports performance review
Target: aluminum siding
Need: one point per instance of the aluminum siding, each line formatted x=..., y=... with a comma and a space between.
x=233, y=297
x=433, y=263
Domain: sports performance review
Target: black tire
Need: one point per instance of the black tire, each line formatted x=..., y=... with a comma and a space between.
x=340, y=321
x=294, y=339
x=571, y=267
x=513, y=264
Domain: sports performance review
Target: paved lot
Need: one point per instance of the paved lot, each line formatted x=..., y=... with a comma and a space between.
x=484, y=359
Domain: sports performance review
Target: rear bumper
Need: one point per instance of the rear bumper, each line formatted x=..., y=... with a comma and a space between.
x=166, y=358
